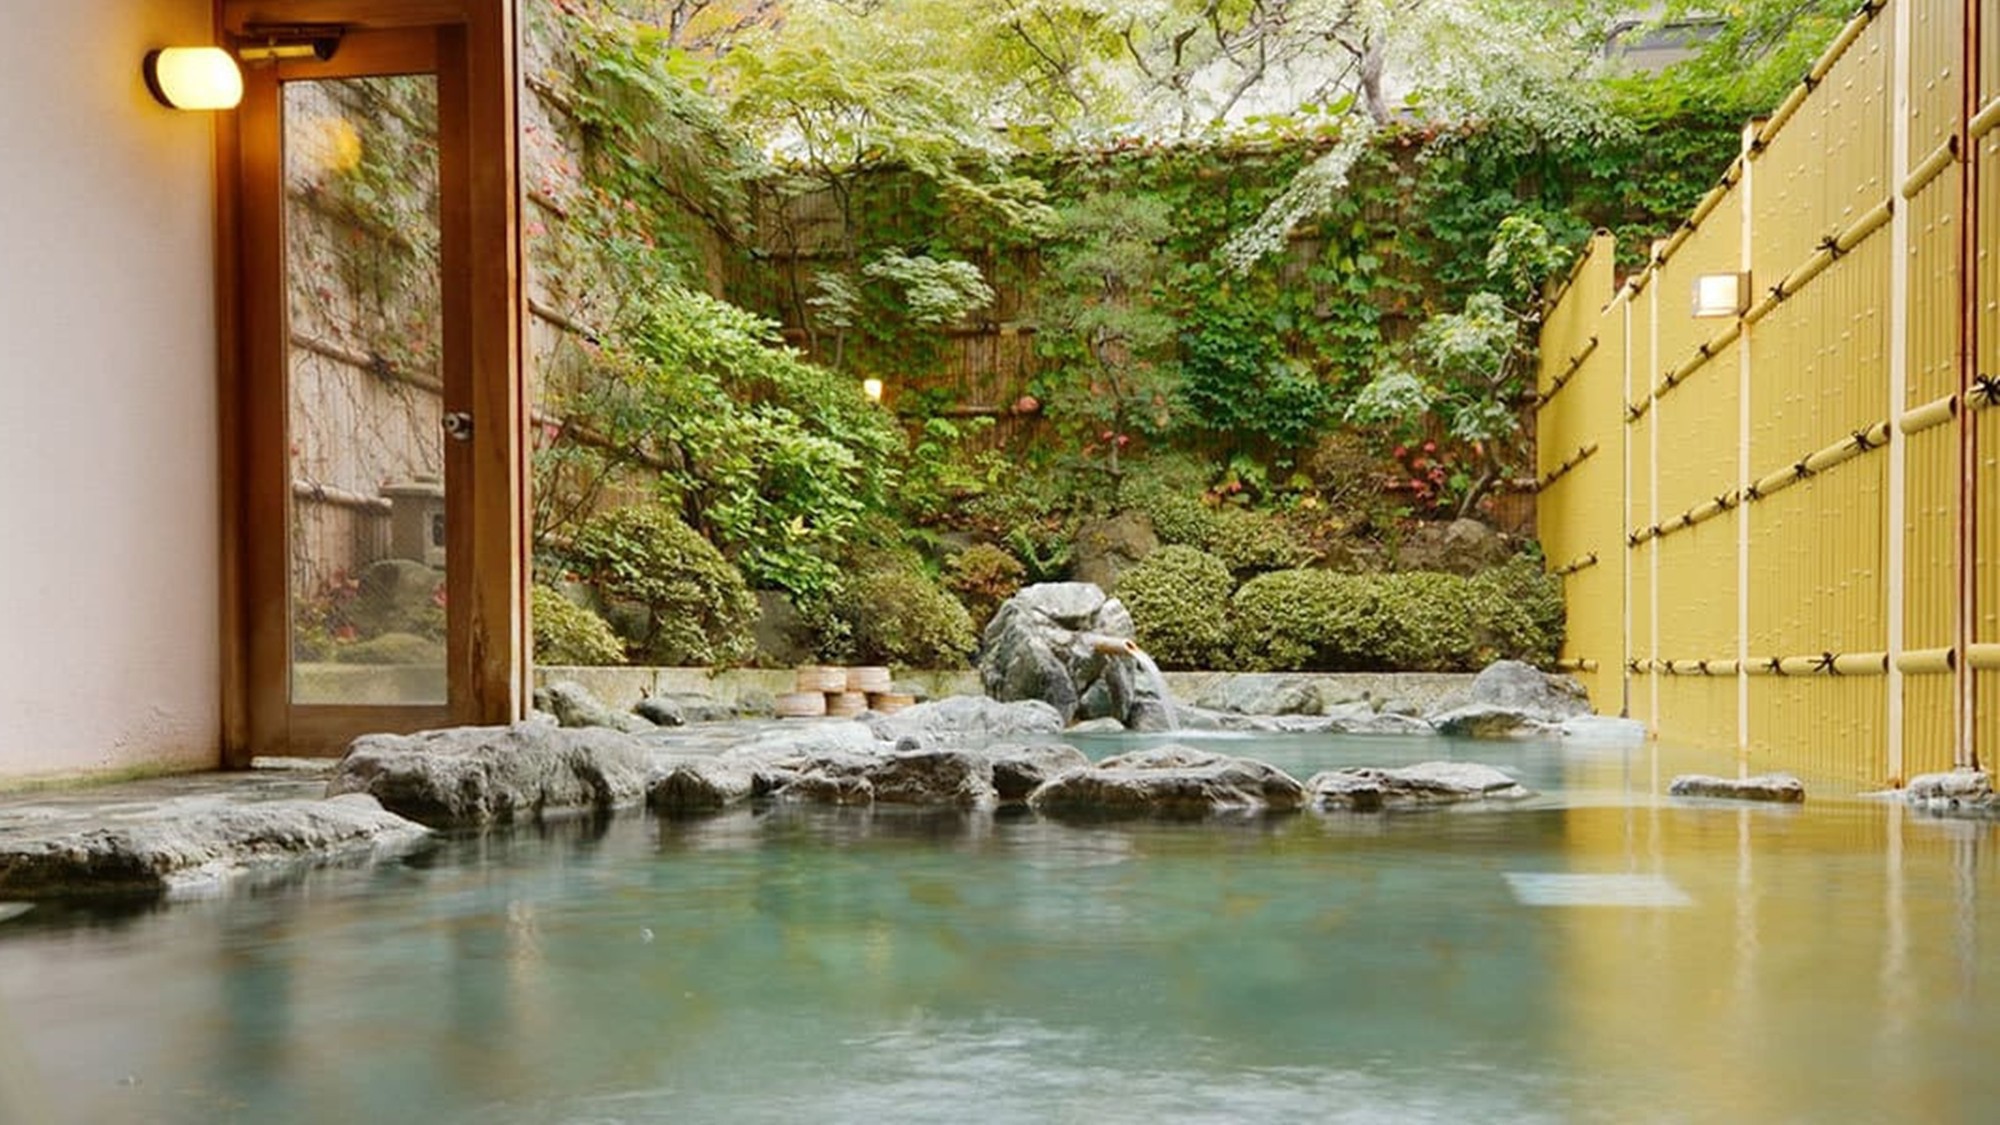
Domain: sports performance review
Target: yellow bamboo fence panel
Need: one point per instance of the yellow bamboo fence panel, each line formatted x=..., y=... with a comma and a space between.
x=1642, y=606
x=1580, y=468
x=1985, y=127
x=1807, y=490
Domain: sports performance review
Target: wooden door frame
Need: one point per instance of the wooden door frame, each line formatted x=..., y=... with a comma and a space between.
x=483, y=300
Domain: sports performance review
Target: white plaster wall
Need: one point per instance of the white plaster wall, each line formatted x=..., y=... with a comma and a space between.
x=108, y=525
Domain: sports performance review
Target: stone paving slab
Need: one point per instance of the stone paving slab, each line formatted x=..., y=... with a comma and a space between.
x=186, y=833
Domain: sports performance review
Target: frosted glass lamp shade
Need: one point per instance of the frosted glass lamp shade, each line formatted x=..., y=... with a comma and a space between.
x=194, y=78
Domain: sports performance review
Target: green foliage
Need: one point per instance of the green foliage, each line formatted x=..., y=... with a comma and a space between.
x=1429, y=624
x=1249, y=540
x=1761, y=49
x=1308, y=621
x=662, y=166
x=567, y=633
x=983, y=576
x=1238, y=381
x=943, y=470
x=1315, y=620
x=693, y=607
x=893, y=613
x=1112, y=373
x=1179, y=599
x=1520, y=610
x=1180, y=519
x=774, y=458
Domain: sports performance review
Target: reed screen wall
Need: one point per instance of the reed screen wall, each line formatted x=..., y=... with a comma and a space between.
x=1779, y=528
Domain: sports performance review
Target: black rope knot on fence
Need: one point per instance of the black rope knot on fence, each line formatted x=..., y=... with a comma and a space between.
x=1831, y=244
x=1776, y=665
x=1801, y=471
x=1864, y=443
x=1824, y=662
x=1986, y=387
x=1725, y=501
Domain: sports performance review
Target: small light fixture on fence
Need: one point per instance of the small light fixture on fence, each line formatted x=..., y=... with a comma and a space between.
x=872, y=388
x=1721, y=294
x=193, y=78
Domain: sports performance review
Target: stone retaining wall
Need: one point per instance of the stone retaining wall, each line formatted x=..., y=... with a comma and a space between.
x=623, y=687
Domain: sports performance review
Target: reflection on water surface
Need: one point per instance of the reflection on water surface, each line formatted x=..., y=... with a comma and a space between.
x=1599, y=954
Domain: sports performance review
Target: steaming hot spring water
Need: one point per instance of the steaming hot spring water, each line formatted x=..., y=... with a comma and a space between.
x=1594, y=953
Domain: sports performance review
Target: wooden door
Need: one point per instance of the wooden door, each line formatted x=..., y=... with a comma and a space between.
x=374, y=426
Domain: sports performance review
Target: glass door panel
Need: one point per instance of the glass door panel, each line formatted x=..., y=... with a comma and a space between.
x=363, y=346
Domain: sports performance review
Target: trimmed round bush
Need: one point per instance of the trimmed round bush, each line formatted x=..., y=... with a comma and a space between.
x=567, y=633
x=1179, y=599
x=690, y=605
x=1428, y=621
x=1414, y=621
x=897, y=615
x=1518, y=610
x=1308, y=621
x=1179, y=519
x=1250, y=541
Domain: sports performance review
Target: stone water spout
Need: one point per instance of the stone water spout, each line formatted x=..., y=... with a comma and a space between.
x=1108, y=645
x=1126, y=648
x=1069, y=645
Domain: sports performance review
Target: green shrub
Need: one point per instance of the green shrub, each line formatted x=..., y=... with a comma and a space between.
x=567, y=633
x=1249, y=541
x=1519, y=613
x=1308, y=621
x=693, y=606
x=895, y=614
x=983, y=576
x=1428, y=622
x=1180, y=519
x=1179, y=598
x=1414, y=621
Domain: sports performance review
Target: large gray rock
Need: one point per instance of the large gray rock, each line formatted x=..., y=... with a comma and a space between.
x=701, y=785
x=489, y=775
x=1066, y=644
x=1527, y=689
x=675, y=709
x=1488, y=720
x=967, y=720
x=1463, y=546
x=168, y=853
x=1509, y=698
x=959, y=779
x=1169, y=781
x=1955, y=793
x=1368, y=789
x=1951, y=785
x=1107, y=548
x=574, y=706
x=1781, y=788
x=1020, y=768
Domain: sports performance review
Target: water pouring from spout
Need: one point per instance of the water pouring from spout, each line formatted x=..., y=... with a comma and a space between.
x=1129, y=649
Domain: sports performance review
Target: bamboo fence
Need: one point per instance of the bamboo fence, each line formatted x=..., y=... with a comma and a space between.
x=1779, y=529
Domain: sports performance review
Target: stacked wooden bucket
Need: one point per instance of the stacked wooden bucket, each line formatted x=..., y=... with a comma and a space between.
x=841, y=693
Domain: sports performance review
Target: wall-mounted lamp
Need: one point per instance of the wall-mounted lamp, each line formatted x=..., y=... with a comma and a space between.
x=193, y=78
x=1721, y=294
x=872, y=388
